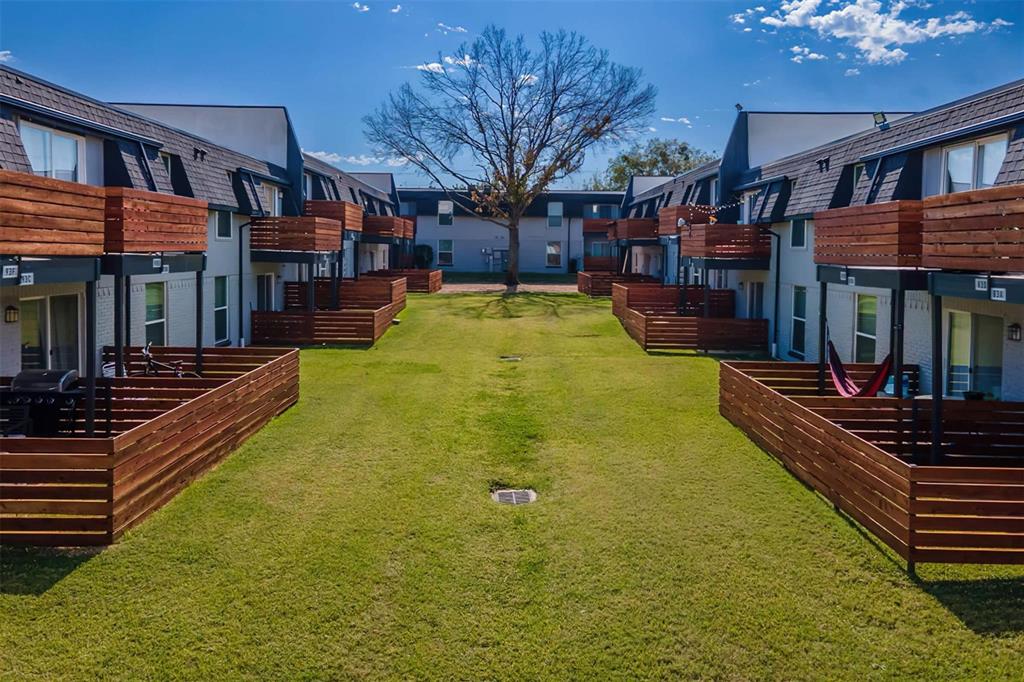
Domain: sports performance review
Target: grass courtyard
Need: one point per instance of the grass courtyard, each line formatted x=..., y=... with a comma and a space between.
x=354, y=537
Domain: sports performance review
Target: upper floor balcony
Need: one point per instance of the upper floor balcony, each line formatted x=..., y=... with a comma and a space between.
x=139, y=221
x=295, y=233
x=596, y=225
x=348, y=214
x=388, y=226
x=46, y=217
x=633, y=228
x=880, y=235
x=725, y=241
x=690, y=214
x=979, y=230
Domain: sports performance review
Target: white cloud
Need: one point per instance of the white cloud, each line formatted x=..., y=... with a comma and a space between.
x=432, y=67
x=652, y=129
x=681, y=119
x=465, y=60
x=878, y=33
x=360, y=7
x=396, y=9
x=446, y=29
x=336, y=159
x=752, y=84
x=801, y=53
x=741, y=17
x=527, y=79
x=6, y=56
x=851, y=72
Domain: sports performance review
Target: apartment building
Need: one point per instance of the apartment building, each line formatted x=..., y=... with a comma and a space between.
x=551, y=237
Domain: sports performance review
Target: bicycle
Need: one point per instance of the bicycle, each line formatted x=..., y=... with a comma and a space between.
x=154, y=367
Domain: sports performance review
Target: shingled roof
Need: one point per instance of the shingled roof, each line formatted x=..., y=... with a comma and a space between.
x=815, y=175
x=208, y=171
x=335, y=184
x=691, y=187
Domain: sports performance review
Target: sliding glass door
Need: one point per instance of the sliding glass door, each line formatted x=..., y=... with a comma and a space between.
x=50, y=332
x=975, y=354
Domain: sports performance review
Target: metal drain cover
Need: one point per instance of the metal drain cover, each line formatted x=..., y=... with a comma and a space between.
x=510, y=358
x=514, y=496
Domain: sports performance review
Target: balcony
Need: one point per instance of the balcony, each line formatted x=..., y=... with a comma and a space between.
x=865, y=456
x=388, y=226
x=633, y=228
x=668, y=217
x=138, y=221
x=157, y=435
x=667, y=317
x=880, y=235
x=596, y=225
x=723, y=241
x=417, y=281
x=348, y=214
x=302, y=233
x=981, y=230
x=46, y=217
x=595, y=283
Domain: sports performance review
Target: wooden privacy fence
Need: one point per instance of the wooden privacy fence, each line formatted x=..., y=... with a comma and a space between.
x=598, y=263
x=633, y=228
x=302, y=233
x=139, y=221
x=370, y=292
x=725, y=241
x=886, y=234
x=651, y=315
x=595, y=283
x=361, y=326
x=854, y=452
x=418, y=281
x=166, y=433
x=348, y=214
x=977, y=230
x=668, y=217
x=46, y=217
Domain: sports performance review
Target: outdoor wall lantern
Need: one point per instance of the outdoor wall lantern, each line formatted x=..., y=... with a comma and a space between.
x=11, y=314
x=1013, y=332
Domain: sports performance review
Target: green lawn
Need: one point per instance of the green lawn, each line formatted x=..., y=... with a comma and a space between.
x=354, y=537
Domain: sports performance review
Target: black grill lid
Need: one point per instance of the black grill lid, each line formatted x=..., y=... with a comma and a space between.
x=52, y=380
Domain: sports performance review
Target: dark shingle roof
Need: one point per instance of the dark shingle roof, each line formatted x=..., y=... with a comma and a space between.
x=207, y=166
x=343, y=185
x=680, y=187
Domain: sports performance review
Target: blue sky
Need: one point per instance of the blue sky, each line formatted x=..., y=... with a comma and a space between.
x=332, y=62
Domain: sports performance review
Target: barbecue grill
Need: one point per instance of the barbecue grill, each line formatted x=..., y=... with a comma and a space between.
x=41, y=402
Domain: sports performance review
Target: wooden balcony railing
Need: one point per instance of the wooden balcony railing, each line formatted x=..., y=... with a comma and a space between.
x=348, y=214
x=388, y=226
x=693, y=214
x=886, y=234
x=303, y=233
x=599, y=282
x=366, y=292
x=419, y=281
x=860, y=454
x=46, y=217
x=596, y=225
x=725, y=241
x=139, y=221
x=634, y=228
x=981, y=230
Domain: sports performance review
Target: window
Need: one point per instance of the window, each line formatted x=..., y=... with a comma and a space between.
x=866, y=326
x=53, y=154
x=272, y=199
x=165, y=159
x=603, y=211
x=265, y=291
x=407, y=208
x=307, y=185
x=755, y=300
x=554, y=255
x=220, y=309
x=222, y=222
x=600, y=249
x=554, y=214
x=798, y=234
x=156, y=313
x=445, y=213
x=797, y=344
x=714, y=192
x=749, y=206
x=445, y=252
x=858, y=173
x=975, y=354
x=973, y=165
x=49, y=332
x=668, y=198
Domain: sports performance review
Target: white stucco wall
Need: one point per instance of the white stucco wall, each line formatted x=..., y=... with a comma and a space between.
x=773, y=135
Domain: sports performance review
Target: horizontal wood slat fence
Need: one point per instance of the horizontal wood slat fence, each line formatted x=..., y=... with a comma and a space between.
x=47, y=217
x=138, y=221
x=855, y=452
x=725, y=241
x=886, y=234
x=348, y=214
x=166, y=433
x=599, y=283
x=980, y=230
x=418, y=281
x=300, y=233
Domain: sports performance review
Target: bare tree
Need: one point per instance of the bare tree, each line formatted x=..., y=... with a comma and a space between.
x=499, y=123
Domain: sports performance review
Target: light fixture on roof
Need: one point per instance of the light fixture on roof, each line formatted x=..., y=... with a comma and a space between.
x=739, y=107
x=880, y=120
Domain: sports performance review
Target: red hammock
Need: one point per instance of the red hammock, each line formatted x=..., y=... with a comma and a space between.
x=844, y=384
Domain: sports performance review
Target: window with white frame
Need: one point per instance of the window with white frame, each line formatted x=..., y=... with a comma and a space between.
x=555, y=214
x=865, y=335
x=165, y=159
x=156, y=313
x=858, y=173
x=265, y=291
x=272, y=198
x=714, y=192
x=798, y=233
x=307, y=185
x=220, y=309
x=798, y=337
x=553, y=255
x=222, y=224
x=445, y=213
x=973, y=165
x=600, y=249
x=52, y=153
x=445, y=252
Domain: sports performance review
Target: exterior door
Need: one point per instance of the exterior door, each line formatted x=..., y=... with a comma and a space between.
x=975, y=354
x=64, y=332
x=755, y=300
x=35, y=343
x=49, y=333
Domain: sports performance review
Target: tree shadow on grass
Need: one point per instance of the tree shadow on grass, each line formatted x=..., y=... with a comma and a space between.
x=34, y=570
x=519, y=305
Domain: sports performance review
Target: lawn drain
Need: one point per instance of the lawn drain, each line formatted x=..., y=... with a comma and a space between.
x=509, y=358
x=514, y=496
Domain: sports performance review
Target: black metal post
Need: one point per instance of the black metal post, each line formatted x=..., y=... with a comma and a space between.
x=897, y=349
x=119, y=325
x=199, y=322
x=90, y=358
x=705, y=280
x=334, y=282
x=128, y=310
x=311, y=287
x=822, y=334
x=937, y=364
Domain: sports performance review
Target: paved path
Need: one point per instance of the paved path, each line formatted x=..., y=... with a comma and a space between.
x=496, y=288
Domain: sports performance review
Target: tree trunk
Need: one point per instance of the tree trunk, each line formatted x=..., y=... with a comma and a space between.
x=512, y=276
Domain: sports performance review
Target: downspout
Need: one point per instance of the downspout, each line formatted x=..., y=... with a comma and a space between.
x=241, y=286
x=778, y=288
